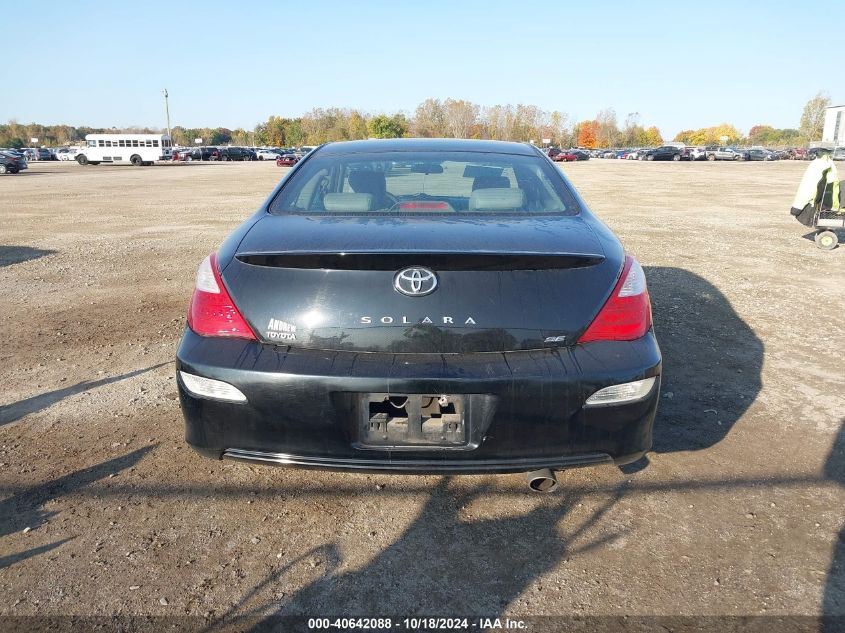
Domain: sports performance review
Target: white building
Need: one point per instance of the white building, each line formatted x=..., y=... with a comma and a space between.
x=834, y=126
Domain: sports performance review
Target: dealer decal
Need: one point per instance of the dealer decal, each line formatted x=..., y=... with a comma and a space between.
x=278, y=330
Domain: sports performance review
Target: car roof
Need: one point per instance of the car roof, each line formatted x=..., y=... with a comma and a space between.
x=427, y=145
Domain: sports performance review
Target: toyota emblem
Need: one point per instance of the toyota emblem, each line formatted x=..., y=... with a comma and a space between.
x=415, y=282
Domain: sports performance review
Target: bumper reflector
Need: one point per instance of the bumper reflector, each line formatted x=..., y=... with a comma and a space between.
x=208, y=388
x=621, y=394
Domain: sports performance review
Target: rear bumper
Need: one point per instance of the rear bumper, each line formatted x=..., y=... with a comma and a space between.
x=445, y=466
x=301, y=405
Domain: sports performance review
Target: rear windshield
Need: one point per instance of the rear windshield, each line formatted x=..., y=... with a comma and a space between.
x=399, y=183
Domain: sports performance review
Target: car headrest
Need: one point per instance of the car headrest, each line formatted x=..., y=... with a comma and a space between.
x=348, y=202
x=367, y=182
x=491, y=182
x=498, y=199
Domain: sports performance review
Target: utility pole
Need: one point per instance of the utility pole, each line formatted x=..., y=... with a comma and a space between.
x=167, y=111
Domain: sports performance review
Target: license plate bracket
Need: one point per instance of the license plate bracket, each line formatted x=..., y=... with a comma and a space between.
x=412, y=421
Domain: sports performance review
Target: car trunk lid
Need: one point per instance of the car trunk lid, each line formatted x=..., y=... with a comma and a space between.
x=502, y=284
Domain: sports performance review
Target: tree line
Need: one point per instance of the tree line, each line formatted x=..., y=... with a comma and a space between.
x=452, y=118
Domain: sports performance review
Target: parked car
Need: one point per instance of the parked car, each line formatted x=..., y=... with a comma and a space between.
x=580, y=154
x=838, y=153
x=759, y=154
x=668, y=152
x=190, y=154
x=697, y=153
x=714, y=152
x=267, y=154
x=209, y=153
x=278, y=377
x=11, y=164
x=38, y=153
x=67, y=153
x=814, y=152
x=236, y=153
x=564, y=157
x=287, y=160
x=17, y=154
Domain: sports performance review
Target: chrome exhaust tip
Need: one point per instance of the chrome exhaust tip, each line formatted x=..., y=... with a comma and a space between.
x=542, y=480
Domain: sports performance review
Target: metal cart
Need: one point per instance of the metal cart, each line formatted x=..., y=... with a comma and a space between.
x=826, y=221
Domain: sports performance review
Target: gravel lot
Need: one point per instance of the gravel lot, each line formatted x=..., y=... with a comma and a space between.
x=105, y=510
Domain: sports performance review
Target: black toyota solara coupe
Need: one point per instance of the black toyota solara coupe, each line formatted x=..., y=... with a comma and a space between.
x=420, y=305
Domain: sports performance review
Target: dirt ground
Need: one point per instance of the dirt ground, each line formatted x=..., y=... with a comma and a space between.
x=105, y=510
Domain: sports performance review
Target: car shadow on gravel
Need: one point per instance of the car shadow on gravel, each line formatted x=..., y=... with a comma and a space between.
x=18, y=254
x=833, y=602
x=443, y=560
x=11, y=412
x=24, y=509
x=8, y=561
x=712, y=362
x=712, y=369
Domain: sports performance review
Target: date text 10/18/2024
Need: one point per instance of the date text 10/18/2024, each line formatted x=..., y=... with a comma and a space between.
x=413, y=624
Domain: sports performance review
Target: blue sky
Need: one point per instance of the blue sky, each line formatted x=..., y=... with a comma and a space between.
x=679, y=64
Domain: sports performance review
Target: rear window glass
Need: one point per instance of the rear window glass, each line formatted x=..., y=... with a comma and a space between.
x=398, y=183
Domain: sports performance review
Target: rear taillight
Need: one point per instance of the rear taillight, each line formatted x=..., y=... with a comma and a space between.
x=627, y=314
x=212, y=311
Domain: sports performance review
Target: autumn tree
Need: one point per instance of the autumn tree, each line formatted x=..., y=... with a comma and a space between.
x=220, y=135
x=460, y=116
x=632, y=134
x=812, y=118
x=383, y=126
x=500, y=121
x=710, y=135
x=322, y=125
x=356, y=125
x=283, y=132
x=771, y=137
x=239, y=137
x=559, y=123
x=429, y=119
x=492, y=117
x=607, y=130
x=587, y=132
x=653, y=137
x=528, y=121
